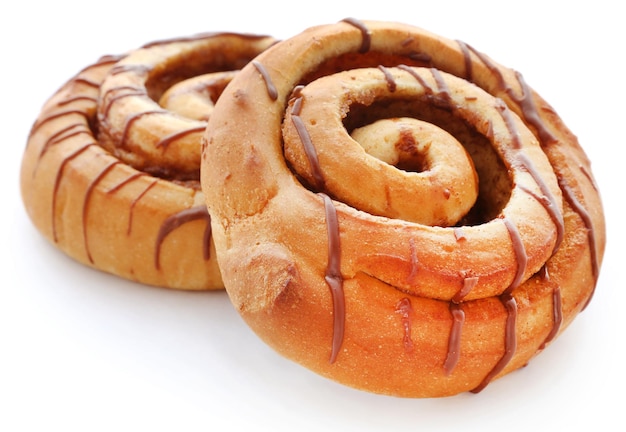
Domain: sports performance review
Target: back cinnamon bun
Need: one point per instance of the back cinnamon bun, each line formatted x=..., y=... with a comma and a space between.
x=110, y=173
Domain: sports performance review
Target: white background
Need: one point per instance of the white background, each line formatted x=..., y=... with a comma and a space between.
x=85, y=351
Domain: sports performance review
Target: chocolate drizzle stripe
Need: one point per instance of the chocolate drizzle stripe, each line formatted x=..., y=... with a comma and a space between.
x=309, y=148
x=105, y=60
x=78, y=98
x=525, y=101
x=404, y=309
x=62, y=135
x=55, y=116
x=510, y=341
x=124, y=182
x=333, y=276
x=176, y=220
x=469, y=282
x=578, y=207
x=165, y=141
x=510, y=124
x=490, y=65
x=201, y=37
x=122, y=68
x=131, y=120
x=111, y=100
x=557, y=310
x=88, y=194
x=197, y=37
x=548, y=200
x=366, y=36
x=87, y=82
x=421, y=57
x=467, y=60
x=269, y=84
x=589, y=176
x=391, y=82
x=444, y=91
x=520, y=254
x=530, y=112
x=414, y=262
x=131, y=209
x=420, y=80
x=57, y=182
x=454, y=341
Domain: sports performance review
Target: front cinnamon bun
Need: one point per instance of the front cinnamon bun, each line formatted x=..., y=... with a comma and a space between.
x=397, y=211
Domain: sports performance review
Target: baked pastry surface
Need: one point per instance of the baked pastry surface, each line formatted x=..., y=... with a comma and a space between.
x=348, y=244
x=110, y=173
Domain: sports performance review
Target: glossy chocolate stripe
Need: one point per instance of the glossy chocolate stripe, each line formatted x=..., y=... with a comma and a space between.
x=454, y=341
x=176, y=220
x=57, y=182
x=404, y=309
x=579, y=208
x=366, y=36
x=165, y=141
x=86, y=201
x=271, y=89
x=333, y=276
x=510, y=342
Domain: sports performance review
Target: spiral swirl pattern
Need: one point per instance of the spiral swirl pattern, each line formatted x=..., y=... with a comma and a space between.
x=399, y=213
x=110, y=174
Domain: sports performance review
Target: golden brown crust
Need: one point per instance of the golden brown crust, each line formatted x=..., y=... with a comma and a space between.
x=378, y=301
x=110, y=176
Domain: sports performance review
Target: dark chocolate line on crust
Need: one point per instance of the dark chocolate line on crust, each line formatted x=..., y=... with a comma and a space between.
x=333, y=276
x=88, y=194
x=510, y=341
x=176, y=220
x=269, y=84
x=366, y=36
x=57, y=182
x=579, y=208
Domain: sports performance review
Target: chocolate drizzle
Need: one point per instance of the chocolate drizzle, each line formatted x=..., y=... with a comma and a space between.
x=391, y=82
x=57, y=182
x=548, y=199
x=269, y=84
x=510, y=341
x=165, y=141
x=333, y=276
x=520, y=255
x=131, y=120
x=557, y=312
x=309, y=148
x=135, y=200
x=414, y=262
x=524, y=101
x=110, y=100
x=578, y=207
x=88, y=193
x=404, y=309
x=63, y=134
x=176, y=220
x=366, y=36
x=469, y=282
x=510, y=124
x=454, y=341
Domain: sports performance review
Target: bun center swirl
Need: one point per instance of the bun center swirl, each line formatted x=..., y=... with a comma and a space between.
x=428, y=176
